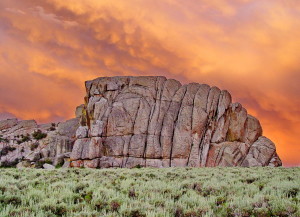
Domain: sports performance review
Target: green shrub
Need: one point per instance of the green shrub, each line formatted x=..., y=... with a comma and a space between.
x=9, y=164
x=220, y=200
x=2, y=189
x=136, y=213
x=293, y=192
x=5, y=140
x=11, y=200
x=34, y=146
x=100, y=205
x=59, y=165
x=88, y=197
x=38, y=135
x=6, y=150
x=53, y=127
x=24, y=138
x=138, y=166
x=57, y=210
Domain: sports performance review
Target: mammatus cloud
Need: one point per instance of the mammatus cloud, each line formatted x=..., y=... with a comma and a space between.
x=250, y=47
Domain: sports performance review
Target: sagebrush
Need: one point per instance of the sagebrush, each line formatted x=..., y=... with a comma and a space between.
x=150, y=192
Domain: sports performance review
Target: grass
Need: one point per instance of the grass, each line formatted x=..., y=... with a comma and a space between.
x=141, y=192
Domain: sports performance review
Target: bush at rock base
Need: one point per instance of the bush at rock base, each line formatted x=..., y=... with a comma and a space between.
x=9, y=164
x=6, y=150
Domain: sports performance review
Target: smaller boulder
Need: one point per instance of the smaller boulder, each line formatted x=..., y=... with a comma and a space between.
x=23, y=164
x=48, y=167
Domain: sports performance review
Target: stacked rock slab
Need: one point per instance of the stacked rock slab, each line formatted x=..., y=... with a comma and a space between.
x=157, y=122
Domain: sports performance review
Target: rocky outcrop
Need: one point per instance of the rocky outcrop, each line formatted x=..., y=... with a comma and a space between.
x=142, y=121
x=157, y=122
x=25, y=143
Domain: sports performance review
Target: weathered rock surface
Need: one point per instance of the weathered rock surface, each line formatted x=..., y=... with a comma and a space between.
x=157, y=122
x=19, y=147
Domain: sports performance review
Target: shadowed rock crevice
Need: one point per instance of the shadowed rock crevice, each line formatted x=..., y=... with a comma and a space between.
x=157, y=122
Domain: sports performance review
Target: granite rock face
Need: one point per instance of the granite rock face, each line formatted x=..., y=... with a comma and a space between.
x=157, y=122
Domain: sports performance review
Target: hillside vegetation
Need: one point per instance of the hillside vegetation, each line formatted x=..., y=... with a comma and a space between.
x=150, y=192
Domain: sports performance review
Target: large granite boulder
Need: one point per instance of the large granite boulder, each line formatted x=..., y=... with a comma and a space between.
x=157, y=122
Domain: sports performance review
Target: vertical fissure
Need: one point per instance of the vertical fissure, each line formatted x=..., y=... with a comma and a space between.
x=175, y=124
x=192, y=124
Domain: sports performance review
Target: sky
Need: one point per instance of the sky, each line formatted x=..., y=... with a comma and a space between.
x=251, y=48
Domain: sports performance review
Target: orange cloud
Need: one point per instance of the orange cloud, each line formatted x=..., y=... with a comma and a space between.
x=250, y=47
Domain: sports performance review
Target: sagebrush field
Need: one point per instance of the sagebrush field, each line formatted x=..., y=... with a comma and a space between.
x=150, y=192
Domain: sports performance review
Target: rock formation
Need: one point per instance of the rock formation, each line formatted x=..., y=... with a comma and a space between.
x=157, y=122
x=25, y=143
x=143, y=121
